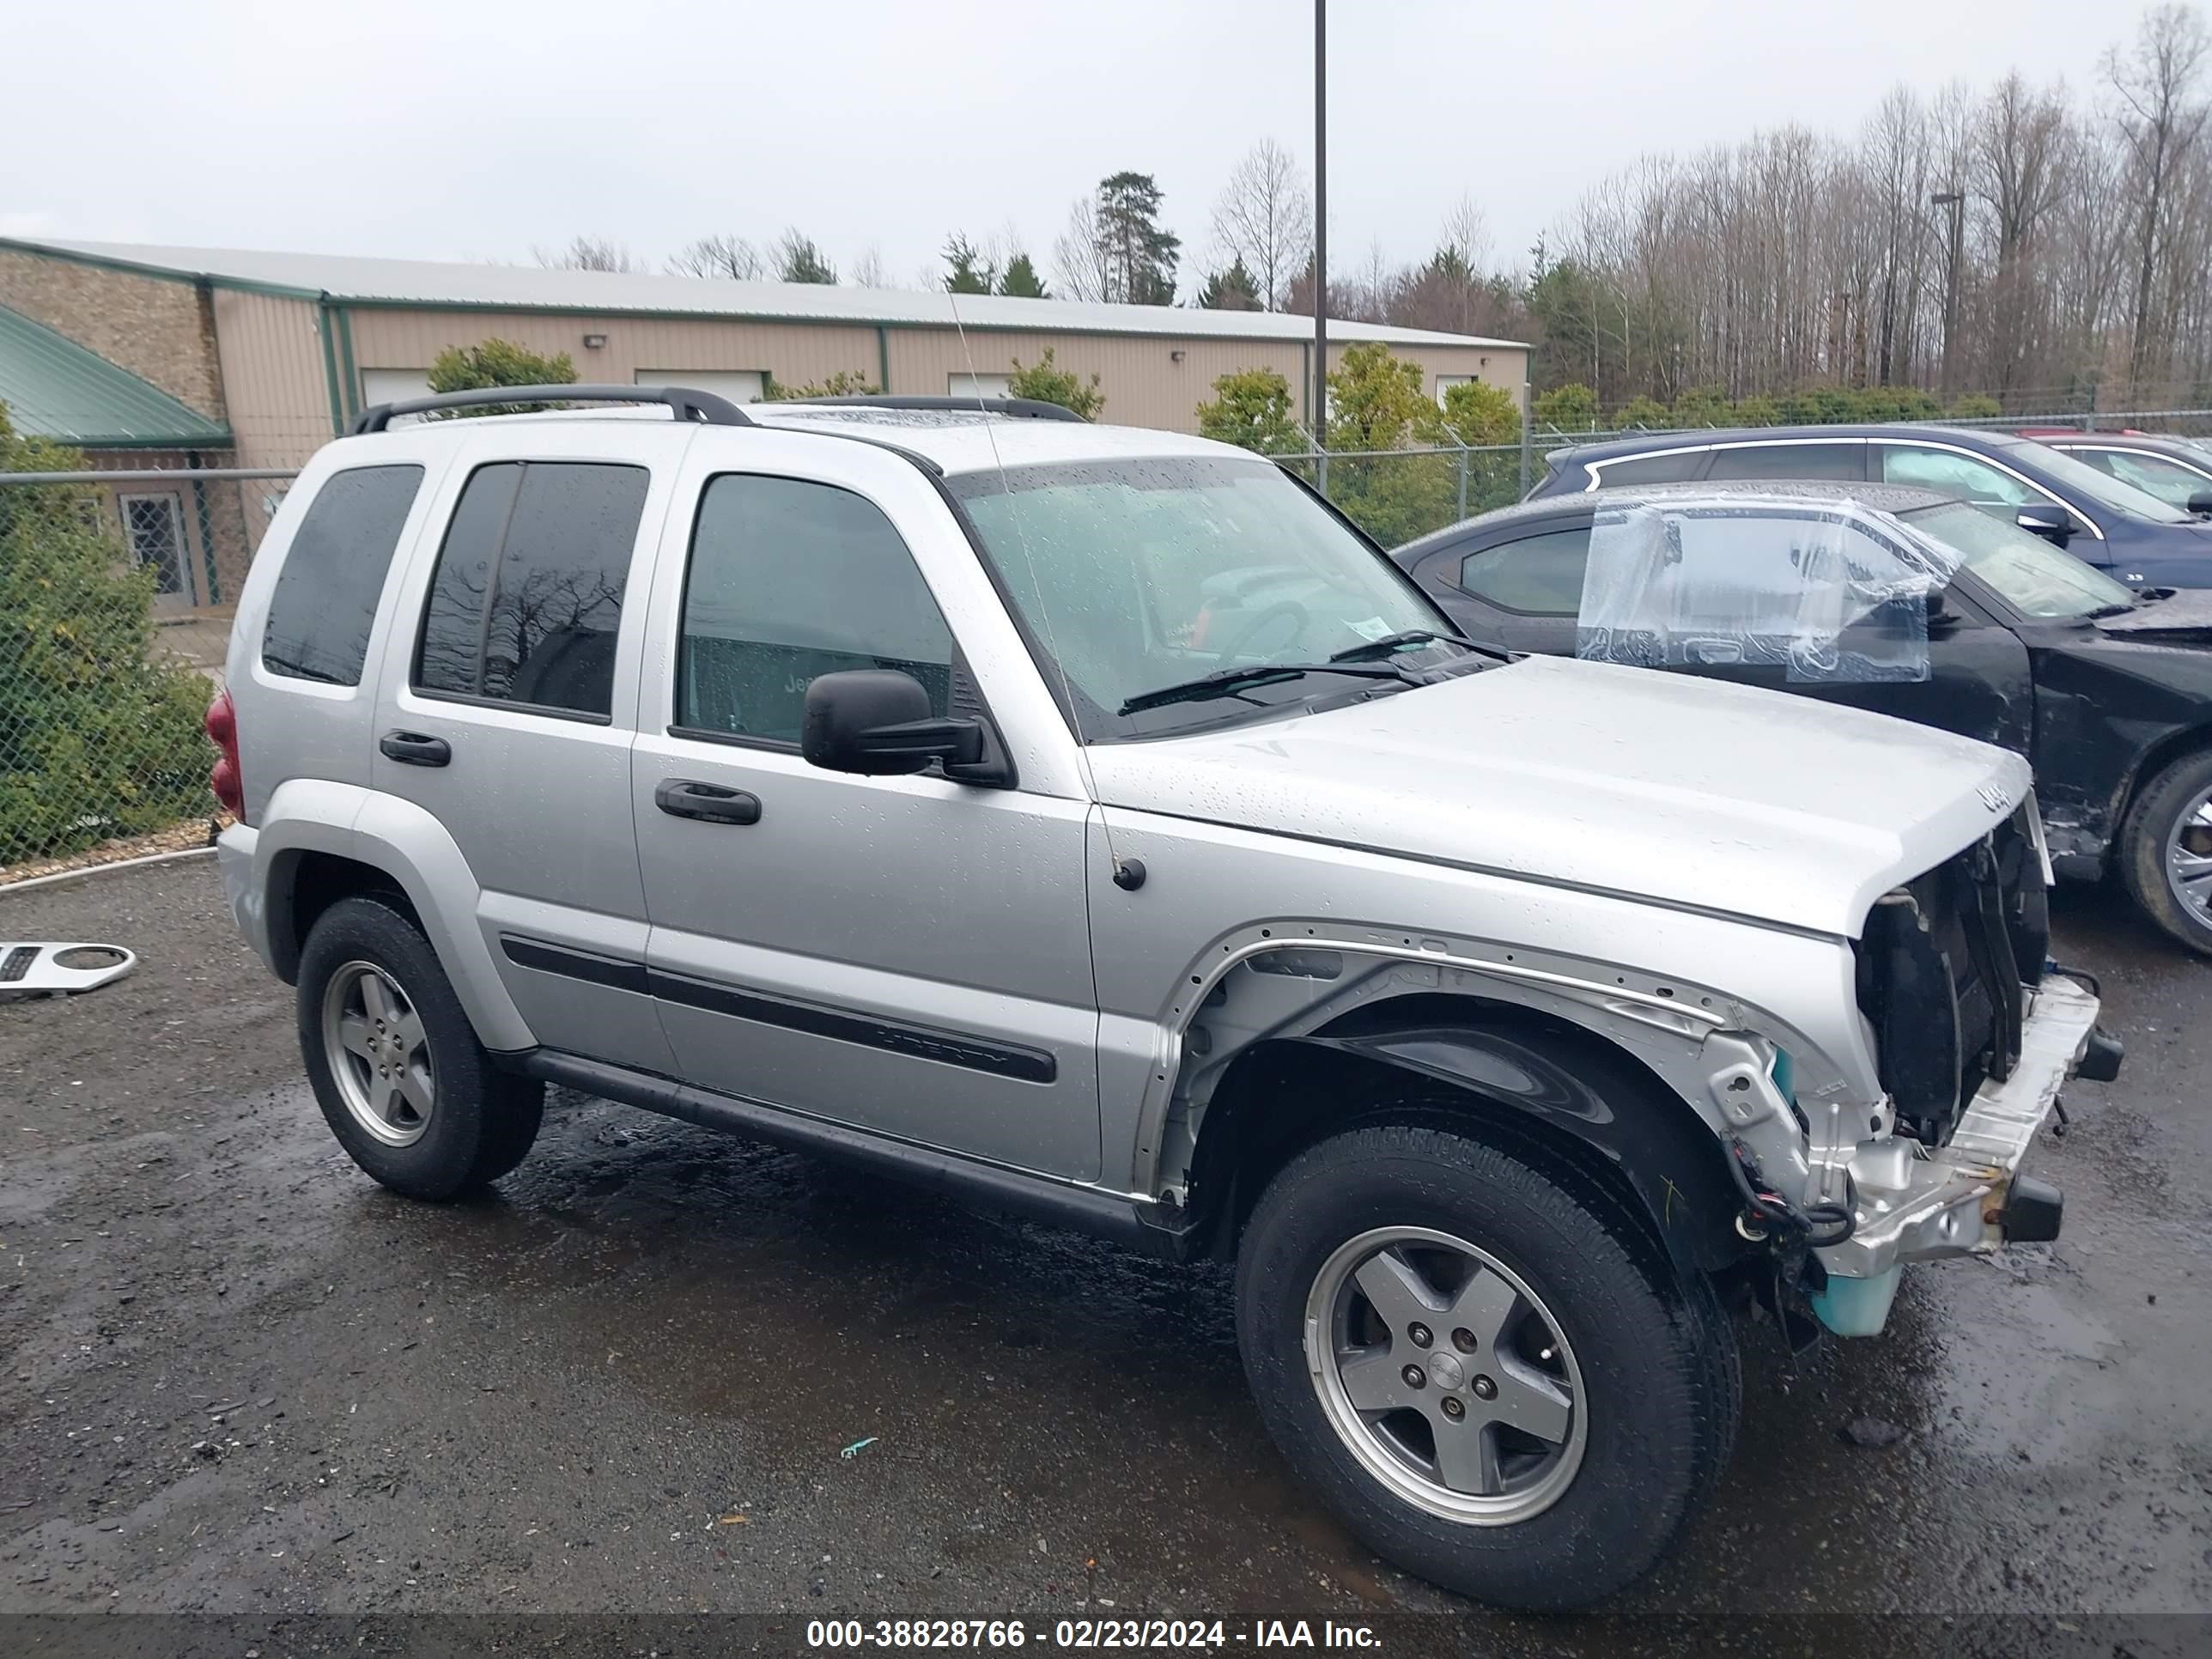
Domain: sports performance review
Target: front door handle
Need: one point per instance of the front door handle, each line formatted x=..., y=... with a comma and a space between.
x=710, y=803
x=415, y=749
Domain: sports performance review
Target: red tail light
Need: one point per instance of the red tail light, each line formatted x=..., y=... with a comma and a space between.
x=228, y=781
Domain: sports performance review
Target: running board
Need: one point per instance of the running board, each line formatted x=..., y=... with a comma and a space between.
x=1063, y=1204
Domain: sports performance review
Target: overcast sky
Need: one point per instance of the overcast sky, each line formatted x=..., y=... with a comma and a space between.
x=465, y=129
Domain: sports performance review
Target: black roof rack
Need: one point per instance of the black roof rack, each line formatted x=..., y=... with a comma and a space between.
x=1028, y=409
x=686, y=404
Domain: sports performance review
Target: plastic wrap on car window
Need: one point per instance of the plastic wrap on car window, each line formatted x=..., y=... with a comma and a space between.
x=1828, y=589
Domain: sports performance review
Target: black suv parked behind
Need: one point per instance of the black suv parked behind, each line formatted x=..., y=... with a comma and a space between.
x=2107, y=693
x=2133, y=535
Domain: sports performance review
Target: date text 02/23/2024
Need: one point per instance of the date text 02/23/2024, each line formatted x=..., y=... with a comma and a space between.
x=1087, y=1634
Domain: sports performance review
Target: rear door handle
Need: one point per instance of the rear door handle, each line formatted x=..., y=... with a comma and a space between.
x=710, y=803
x=415, y=749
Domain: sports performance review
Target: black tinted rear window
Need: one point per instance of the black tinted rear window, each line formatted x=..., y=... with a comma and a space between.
x=1682, y=465
x=528, y=594
x=1846, y=461
x=333, y=573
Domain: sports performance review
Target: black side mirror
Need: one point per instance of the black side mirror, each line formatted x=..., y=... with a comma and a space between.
x=2201, y=503
x=2053, y=524
x=876, y=722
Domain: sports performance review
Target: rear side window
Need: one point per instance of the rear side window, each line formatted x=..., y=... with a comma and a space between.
x=1683, y=464
x=1536, y=576
x=791, y=580
x=528, y=598
x=1846, y=461
x=326, y=594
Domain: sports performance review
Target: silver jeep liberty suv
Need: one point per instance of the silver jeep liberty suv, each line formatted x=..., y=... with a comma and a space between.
x=1090, y=821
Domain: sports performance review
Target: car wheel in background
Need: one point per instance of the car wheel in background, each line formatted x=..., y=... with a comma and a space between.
x=2166, y=850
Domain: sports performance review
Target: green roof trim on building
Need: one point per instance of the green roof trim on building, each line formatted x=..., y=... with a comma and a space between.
x=54, y=388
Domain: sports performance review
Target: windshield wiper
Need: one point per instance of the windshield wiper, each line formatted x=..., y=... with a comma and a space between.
x=2111, y=611
x=1369, y=650
x=1227, y=681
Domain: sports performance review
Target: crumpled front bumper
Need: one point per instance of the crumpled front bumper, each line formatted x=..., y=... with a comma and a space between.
x=1917, y=1205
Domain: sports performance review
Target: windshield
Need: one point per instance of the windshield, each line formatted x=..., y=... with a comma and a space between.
x=2030, y=574
x=2100, y=487
x=1148, y=572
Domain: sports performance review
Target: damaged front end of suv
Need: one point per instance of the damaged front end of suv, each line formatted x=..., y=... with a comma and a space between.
x=1972, y=1035
x=1816, y=1046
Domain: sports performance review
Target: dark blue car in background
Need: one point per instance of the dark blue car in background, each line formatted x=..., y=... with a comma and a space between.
x=2125, y=531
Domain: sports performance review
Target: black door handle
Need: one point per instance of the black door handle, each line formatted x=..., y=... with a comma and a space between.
x=709, y=802
x=415, y=749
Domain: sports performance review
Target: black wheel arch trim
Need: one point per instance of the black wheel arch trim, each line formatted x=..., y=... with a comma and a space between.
x=1561, y=1093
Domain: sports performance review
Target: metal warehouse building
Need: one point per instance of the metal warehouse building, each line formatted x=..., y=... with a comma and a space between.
x=179, y=356
x=282, y=348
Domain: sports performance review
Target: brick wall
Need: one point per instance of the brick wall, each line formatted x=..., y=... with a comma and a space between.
x=162, y=332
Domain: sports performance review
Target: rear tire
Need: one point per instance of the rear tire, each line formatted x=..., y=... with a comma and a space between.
x=2169, y=824
x=1599, y=1390
x=410, y=1094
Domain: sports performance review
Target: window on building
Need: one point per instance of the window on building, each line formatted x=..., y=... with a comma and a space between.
x=155, y=526
x=1536, y=576
x=393, y=386
x=978, y=386
x=789, y=580
x=740, y=385
x=1446, y=382
x=527, y=597
x=326, y=598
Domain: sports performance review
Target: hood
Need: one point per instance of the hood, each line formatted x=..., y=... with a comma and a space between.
x=2186, y=610
x=1655, y=785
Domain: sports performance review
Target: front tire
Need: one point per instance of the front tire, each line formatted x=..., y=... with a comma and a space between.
x=2165, y=851
x=1470, y=1362
x=410, y=1094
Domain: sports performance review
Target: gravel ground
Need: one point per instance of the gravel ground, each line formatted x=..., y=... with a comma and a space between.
x=243, y=1383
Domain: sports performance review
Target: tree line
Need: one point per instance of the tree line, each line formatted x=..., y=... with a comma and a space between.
x=2036, y=244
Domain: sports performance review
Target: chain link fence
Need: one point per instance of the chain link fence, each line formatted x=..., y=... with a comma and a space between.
x=117, y=584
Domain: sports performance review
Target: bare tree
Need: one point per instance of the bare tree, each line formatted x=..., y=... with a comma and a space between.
x=1378, y=283
x=2163, y=121
x=868, y=269
x=587, y=253
x=1466, y=234
x=1082, y=253
x=731, y=258
x=1895, y=151
x=1264, y=217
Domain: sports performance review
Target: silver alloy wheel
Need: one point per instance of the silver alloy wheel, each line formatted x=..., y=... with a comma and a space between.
x=1445, y=1376
x=2189, y=859
x=379, y=1053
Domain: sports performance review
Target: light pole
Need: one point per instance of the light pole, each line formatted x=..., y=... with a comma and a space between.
x=1320, y=239
x=1956, y=201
